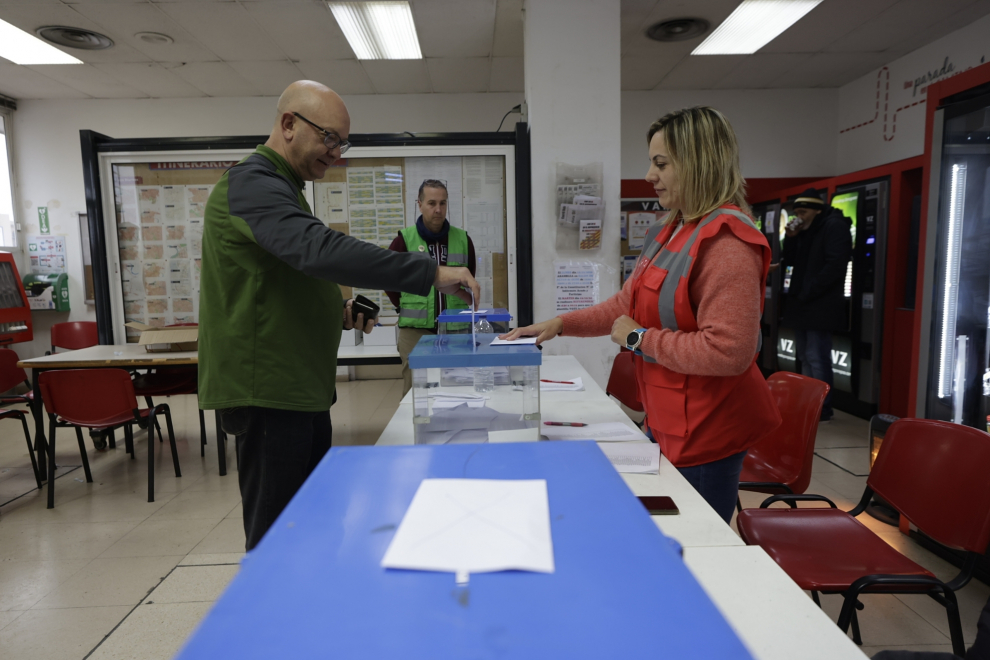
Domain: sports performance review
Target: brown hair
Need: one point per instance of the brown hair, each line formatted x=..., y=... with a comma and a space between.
x=703, y=149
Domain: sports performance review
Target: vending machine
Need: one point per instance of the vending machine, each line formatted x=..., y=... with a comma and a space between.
x=954, y=360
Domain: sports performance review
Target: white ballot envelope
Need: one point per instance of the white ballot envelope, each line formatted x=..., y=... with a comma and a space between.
x=466, y=526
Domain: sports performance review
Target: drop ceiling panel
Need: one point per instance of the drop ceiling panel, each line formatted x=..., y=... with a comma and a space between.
x=825, y=24
x=634, y=15
x=507, y=75
x=760, y=71
x=269, y=78
x=122, y=21
x=941, y=28
x=641, y=73
x=830, y=69
x=89, y=80
x=509, y=29
x=888, y=28
x=636, y=43
x=464, y=28
x=153, y=80
x=342, y=76
x=459, y=74
x=215, y=79
x=226, y=28
x=398, y=76
x=20, y=82
x=303, y=31
x=700, y=71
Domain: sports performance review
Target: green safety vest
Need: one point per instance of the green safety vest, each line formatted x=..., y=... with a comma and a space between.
x=420, y=311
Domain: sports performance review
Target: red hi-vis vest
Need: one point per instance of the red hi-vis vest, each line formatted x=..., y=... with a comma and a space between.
x=696, y=419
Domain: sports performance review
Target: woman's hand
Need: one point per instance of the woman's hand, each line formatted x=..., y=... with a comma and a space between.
x=350, y=322
x=621, y=329
x=542, y=331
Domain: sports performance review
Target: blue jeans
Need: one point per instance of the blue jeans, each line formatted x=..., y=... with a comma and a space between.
x=717, y=482
x=814, y=350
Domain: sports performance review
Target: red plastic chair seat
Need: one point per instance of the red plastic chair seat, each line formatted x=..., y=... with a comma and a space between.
x=98, y=424
x=762, y=472
x=823, y=549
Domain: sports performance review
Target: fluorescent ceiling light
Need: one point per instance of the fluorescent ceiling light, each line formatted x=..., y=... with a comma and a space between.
x=20, y=47
x=753, y=25
x=378, y=30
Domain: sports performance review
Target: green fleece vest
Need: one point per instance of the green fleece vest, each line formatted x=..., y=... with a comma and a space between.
x=420, y=311
x=268, y=333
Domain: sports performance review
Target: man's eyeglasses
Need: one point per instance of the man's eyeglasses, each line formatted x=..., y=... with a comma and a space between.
x=330, y=139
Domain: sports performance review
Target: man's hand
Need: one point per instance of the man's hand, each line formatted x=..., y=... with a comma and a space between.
x=350, y=322
x=621, y=329
x=452, y=281
x=542, y=331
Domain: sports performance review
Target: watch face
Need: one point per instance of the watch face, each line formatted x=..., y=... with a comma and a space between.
x=632, y=338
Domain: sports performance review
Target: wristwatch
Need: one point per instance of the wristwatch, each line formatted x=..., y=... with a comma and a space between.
x=634, y=339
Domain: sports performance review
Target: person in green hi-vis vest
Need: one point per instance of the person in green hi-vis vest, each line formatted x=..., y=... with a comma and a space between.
x=271, y=311
x=448, y=246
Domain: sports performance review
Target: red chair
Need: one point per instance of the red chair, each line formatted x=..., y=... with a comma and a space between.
x=74, y=335
x=781, y=462
x=98, y=399
x=10, y=377
x=622, y=381
x=934, y=474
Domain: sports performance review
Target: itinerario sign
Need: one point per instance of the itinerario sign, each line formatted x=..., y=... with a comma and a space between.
x=194, y=165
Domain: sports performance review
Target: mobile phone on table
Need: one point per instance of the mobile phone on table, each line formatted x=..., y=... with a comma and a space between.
x=659, y=505
x=362, y=305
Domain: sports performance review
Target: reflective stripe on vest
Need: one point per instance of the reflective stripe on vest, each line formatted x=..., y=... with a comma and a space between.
x=419, y=311
x=678, y=264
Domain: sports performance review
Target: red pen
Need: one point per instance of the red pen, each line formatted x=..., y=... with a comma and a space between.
x=565, y=423
x=561, y=382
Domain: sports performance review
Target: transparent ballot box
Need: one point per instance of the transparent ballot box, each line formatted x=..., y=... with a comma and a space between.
x=465, y=390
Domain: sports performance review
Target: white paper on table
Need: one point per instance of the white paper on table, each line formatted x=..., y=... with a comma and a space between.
x=468, y=526
x=606, y=432
x=480, y=311
x=573, y=385
x=513, y=342
x=633, y=457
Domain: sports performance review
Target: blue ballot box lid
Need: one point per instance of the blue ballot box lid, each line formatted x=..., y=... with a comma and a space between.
x=315, y=588
x=497, y=314
x=458, y=351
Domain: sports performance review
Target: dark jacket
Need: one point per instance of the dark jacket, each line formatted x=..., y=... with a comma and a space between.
x=816, y=298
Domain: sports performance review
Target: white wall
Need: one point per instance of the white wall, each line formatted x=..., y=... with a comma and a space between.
x=882, y=115
x=782, y=132
x=49, y=166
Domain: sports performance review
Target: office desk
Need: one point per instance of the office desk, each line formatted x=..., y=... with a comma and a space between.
x=362, y=355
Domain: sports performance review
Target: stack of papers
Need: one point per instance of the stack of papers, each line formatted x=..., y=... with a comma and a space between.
x=465, y=526
x=633, y=457
x=515, y=342
x=575, y=385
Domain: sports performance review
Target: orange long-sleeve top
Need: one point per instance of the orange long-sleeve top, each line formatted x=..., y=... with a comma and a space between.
x=725, y=290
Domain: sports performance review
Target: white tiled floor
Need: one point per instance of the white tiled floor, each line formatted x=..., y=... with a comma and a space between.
x=108, y=575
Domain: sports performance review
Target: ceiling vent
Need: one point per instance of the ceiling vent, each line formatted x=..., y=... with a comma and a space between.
x=678, y=29
x=74, y=37
x=154, y=38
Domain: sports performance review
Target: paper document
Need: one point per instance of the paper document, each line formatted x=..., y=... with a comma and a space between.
x=607, y=432
x=513, y=342
x=480, y=311
x=468, y=526
x=633, y=457
x=574, y=385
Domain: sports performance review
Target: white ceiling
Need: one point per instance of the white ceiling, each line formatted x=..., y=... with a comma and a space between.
x=257, y=47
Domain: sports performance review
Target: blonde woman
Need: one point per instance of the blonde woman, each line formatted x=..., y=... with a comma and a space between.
x=691, y=310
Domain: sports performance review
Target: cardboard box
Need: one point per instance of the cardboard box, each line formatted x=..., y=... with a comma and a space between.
x=382, y=335
x=166, y=340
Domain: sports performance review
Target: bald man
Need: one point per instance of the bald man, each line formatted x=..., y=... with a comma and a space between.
x=271, y=312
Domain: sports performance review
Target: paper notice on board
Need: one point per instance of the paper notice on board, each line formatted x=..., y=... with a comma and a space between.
x=576, y=285
x=639, y=226
x=331, y=202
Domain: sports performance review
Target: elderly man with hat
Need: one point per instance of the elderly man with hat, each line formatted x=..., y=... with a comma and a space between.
x=815, y=257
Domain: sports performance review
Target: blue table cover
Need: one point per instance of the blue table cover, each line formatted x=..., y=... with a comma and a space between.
x=314, y=587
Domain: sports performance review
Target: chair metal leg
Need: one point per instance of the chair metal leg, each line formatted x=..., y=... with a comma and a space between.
x=51, y=462
x=129, y=440
x=34, y=462
x=112, y=438
x=857, y=639
x=202, y=433
x=147, y=400
x=83, y=454
x=738, y=504
x=221, y=447
x=152, y=422
x=955, y=626
x=818, y=601
x=158, y=427
x=171, y=438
